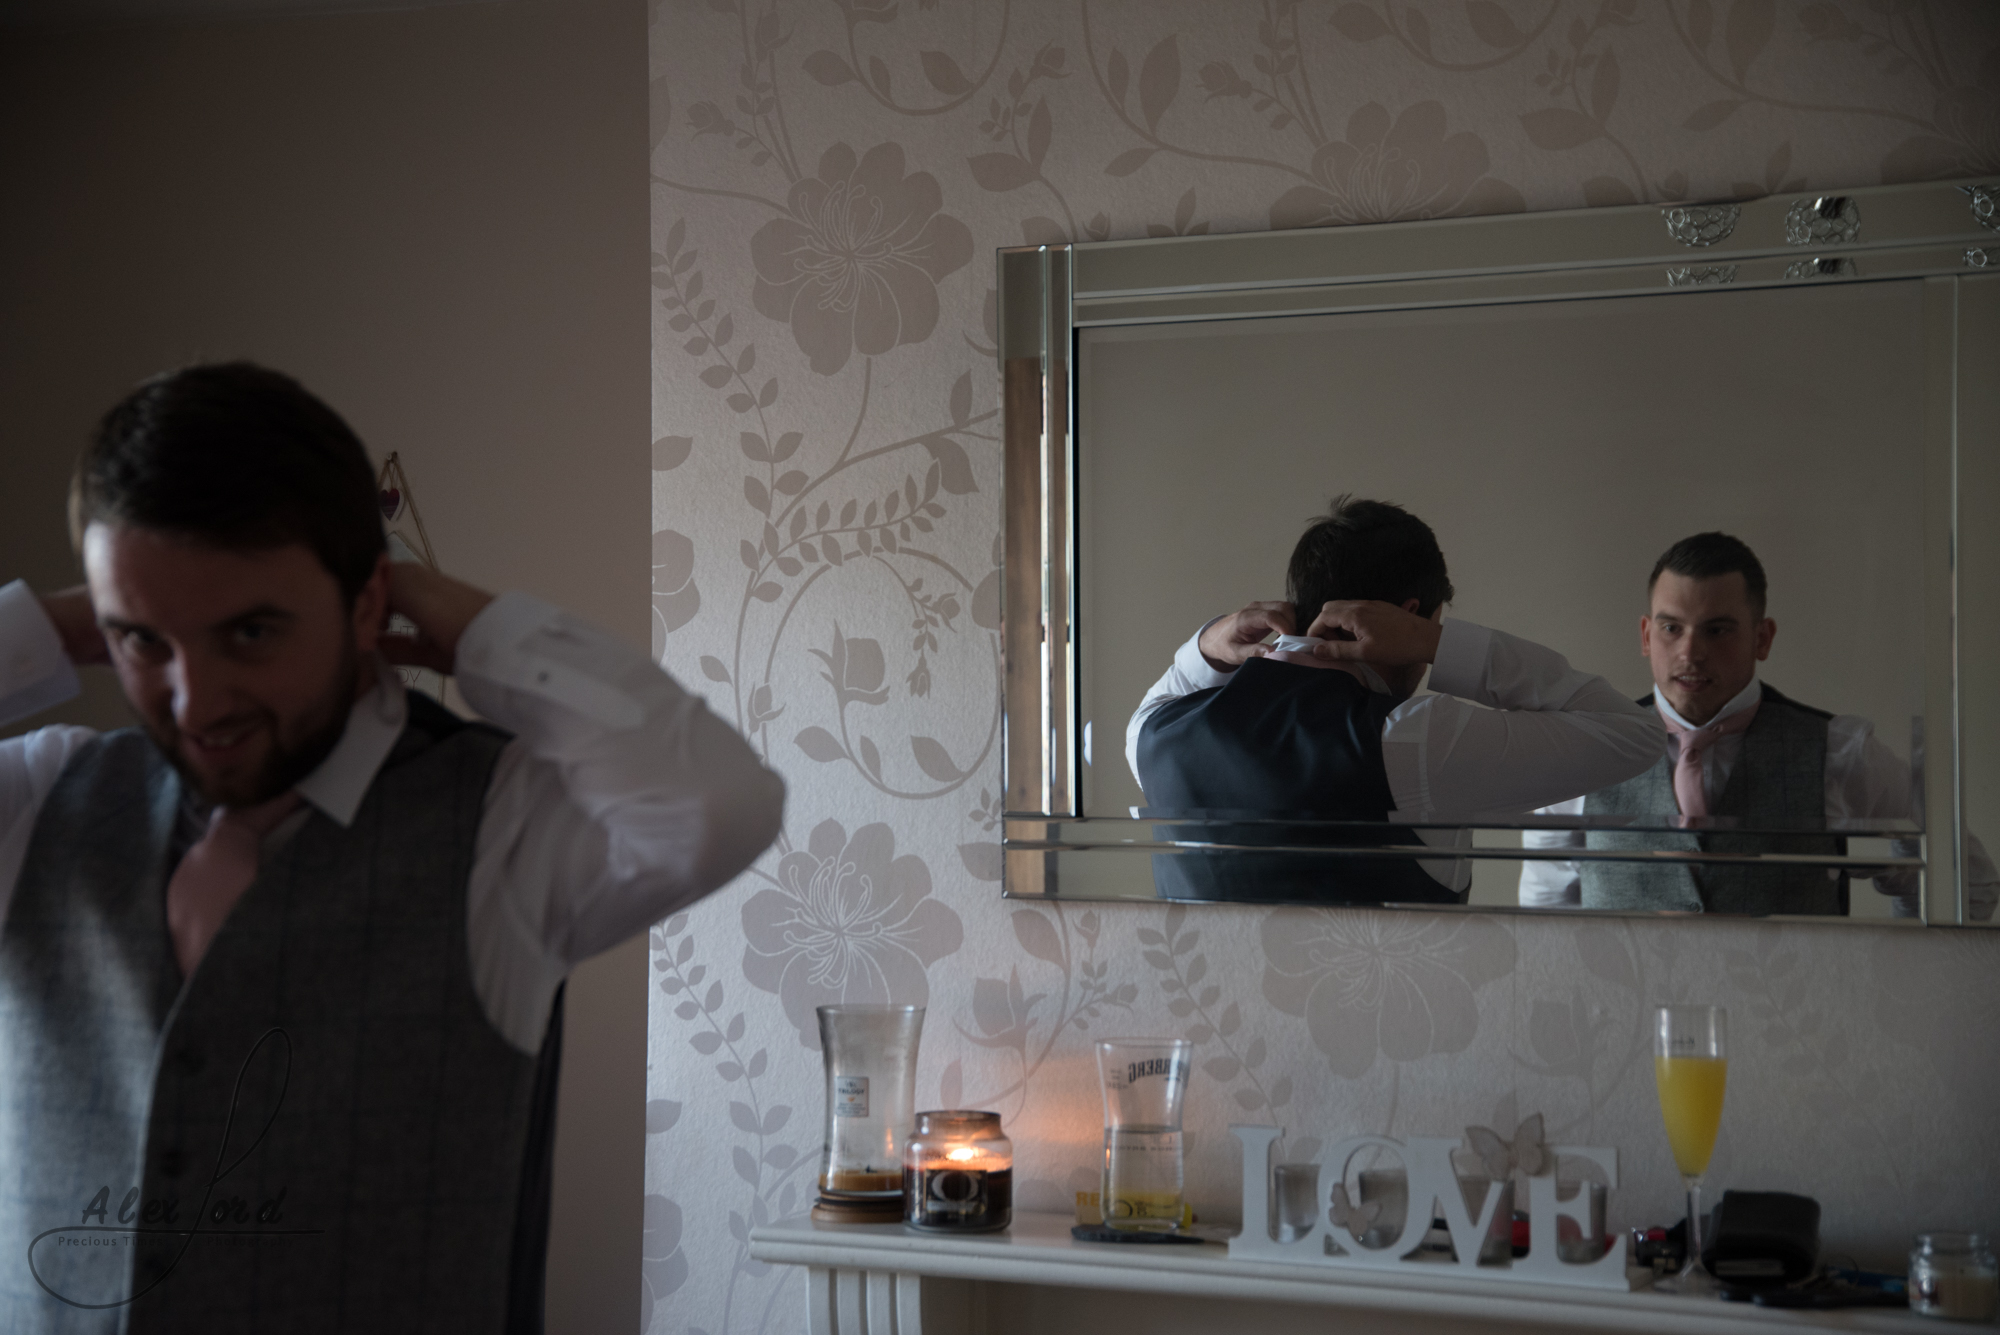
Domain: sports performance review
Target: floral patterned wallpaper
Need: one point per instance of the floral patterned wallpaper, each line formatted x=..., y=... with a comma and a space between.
x=830, y=180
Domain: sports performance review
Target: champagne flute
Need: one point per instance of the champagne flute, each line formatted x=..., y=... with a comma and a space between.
x=1691, y=1065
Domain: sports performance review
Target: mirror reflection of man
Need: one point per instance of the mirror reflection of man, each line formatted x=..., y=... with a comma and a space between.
x=1237, y=724
x=1738, y=749
x=280, y=968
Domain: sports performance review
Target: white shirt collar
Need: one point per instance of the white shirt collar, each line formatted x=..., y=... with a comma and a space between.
x=1303, y=644
x=373, y=726
x=1739, y=702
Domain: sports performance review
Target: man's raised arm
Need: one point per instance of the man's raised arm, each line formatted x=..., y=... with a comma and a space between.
x=1547, y=731
x=1206, y=660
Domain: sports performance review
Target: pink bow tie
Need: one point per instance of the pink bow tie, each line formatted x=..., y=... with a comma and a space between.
x=1689, y=793
x=215, y=872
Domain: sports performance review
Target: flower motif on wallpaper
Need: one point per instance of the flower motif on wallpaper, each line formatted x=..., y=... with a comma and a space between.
x=850, y=922
x=1388, y=170
x=663, y=1266
x=1393, y=984
x=856, y=260
x=675, y=597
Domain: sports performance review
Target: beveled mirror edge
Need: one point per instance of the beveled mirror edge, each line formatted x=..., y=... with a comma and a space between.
x=1041, y=287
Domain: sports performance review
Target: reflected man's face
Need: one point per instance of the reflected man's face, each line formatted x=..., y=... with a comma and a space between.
x=241, y=665
x=1704, y=640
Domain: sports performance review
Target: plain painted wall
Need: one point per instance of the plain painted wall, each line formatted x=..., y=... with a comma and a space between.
x=437, y=220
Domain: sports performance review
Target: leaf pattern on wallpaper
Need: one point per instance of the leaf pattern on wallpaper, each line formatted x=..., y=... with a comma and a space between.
x=1004, y=1013
x=1587, y=1038
x=867, y=21
x=1381, y=168
x=1024, y=129
x=770, y=1169
x=1236, y=1057
x=1798, y=1043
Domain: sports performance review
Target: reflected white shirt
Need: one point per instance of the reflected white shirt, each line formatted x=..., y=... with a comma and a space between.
x=1511, y=725
x=615, y=793
x=1865, y=780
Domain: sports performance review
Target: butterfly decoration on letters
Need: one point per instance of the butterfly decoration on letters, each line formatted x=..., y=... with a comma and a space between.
x=1527, y=1155
x=1354, y=1218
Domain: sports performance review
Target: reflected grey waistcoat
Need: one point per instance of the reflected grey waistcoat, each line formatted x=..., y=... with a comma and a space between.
x=320, y=1131
x=1779, y=780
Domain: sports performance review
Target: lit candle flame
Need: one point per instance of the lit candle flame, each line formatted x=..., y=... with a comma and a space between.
x=961, y=1154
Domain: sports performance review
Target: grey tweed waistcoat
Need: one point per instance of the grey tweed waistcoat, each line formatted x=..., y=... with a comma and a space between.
x=319, y=1130
x=1779, y=780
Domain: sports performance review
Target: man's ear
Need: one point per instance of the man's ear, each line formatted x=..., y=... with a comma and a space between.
x=1645, y=637
x=1410, y=605
x=1767, y=630
x=371, y=608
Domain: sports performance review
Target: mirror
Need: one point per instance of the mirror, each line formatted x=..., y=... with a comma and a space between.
x=1560, y=398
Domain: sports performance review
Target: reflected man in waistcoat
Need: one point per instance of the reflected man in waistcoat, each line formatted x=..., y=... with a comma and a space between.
x=1327, y=726
x=1742, y=754
x=281, y=967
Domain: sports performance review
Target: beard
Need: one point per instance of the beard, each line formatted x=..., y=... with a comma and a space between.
x=298, y=745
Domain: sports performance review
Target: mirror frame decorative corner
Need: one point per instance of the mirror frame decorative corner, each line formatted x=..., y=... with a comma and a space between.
x=1946, y=234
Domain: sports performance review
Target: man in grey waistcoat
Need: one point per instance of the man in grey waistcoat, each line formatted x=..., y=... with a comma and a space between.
x=281, y=967
x=1739, y=749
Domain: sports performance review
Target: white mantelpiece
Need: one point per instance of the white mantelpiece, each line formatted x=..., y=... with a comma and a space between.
x=882, y=1279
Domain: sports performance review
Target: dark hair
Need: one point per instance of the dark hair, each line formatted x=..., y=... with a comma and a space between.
x=1710, y=555
x=1366, y=550
x=238, y=457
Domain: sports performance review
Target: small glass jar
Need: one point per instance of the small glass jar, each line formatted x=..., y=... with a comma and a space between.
x=1954, y=1275
x=958, y=1173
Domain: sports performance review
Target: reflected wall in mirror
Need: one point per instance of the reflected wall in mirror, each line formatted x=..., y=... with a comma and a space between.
x=1556, y=448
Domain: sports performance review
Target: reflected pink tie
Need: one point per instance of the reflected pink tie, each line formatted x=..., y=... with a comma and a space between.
x=215, y=873
x=1688, y=790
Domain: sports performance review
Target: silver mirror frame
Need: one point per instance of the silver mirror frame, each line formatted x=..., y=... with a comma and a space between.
x=1931, y=232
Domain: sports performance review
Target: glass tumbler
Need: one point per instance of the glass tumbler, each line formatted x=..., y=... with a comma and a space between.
x=1144, y=1079
x=1954, y=1275
x=871, y=1084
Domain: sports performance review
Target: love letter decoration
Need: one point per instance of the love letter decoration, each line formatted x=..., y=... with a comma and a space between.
x=1434, y=1192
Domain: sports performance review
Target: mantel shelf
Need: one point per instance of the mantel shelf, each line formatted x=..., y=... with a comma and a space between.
x=876, y=1279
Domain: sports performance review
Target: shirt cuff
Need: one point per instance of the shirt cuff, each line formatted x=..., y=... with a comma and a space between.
x=35, y=673
x=499, y=648
x=1460, y=666
x=1192, y=664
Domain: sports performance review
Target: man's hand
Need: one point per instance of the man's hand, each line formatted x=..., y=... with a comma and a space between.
x=1234, y=640
x=441, y=607
x=76, y=622
x=1379, y=633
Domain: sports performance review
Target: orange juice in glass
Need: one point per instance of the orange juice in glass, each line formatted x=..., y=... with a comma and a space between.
x=1691, y=1068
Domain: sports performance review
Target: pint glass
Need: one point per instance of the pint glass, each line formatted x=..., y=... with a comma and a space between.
x=1144, y=1079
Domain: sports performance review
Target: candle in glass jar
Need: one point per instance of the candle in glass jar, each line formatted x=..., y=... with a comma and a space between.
x=958, y=1173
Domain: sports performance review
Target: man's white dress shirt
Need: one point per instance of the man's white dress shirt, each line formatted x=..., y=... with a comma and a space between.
x=1864, y=781
x=597, y=819
x=1512, y=724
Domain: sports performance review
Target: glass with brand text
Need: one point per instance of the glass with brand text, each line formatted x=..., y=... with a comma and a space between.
x=1144, y=1079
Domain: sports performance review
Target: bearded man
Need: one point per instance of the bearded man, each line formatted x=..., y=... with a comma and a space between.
x=281, y=968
